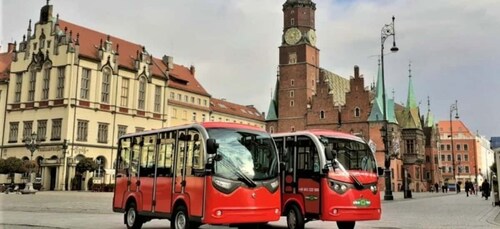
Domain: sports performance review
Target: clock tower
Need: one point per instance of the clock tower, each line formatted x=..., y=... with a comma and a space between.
x=298, y=65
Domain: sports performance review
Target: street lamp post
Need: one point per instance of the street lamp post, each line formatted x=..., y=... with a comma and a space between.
x=31, y=142
x=387, y=31
x=453, y=107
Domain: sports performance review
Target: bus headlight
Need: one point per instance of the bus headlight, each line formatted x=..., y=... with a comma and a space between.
x=224, y=185
x=338, y=187
x=374, y=189
x=271, y=185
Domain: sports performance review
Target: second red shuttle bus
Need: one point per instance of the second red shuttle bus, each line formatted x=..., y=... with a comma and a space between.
x=327, y=175
x=208, y=173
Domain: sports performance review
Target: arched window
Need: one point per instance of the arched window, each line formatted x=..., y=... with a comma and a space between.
x=32, y=85
x=357, y=112
x=292, y=103
x=142, y=93
x=271, y=129
x=106, y=81
x=321, y=114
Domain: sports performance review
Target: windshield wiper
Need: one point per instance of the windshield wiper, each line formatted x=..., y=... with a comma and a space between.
x=357, y=183
x=241, y=176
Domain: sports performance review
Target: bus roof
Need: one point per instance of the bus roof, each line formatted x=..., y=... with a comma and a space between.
x=207, y=125
x=322, y=132
x=230, y=125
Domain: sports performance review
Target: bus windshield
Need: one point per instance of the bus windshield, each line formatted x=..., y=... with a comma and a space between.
x=351, y=154
x=244, y=155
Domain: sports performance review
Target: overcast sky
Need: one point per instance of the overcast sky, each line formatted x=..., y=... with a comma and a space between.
x=453, y=45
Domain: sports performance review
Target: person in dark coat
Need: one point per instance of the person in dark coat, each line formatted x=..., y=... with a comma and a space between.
x=468, y=185
x=436, y=187
x=485, y=187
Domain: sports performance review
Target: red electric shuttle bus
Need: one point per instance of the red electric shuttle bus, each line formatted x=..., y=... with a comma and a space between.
x=207, y=173
x=327, y=175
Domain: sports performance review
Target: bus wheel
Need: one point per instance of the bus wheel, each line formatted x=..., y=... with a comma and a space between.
x=346, y=224
x=294, y=218
x=181, y=218
x=132, y=218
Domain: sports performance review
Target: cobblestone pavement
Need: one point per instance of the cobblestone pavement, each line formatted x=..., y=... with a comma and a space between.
x=93, y=210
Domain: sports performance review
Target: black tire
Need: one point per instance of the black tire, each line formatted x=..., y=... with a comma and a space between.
x=294, y=218
x=180, y=218
x=346, y=224
x=132, y=218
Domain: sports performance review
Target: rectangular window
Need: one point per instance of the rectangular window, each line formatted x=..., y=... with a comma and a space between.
x=122, y=130
x=466, y=169
x=466, y=157
x=106, y=80
x=186, y=98
x=102, y=133
x=139, y=129
x=199, y=101
x=179, y=97
x=60, y=82
x=19, y=86
x=205, y=102
x=157, y=98
x=124, y=96
x=448, y=147
x=192, y=99
x=32, y=85
x=28, y=128
x=82, y=130
x=14, y=130
x=174, y=113
x=448, y=157
x=142, y=93
x=56, y=129
x=203, y=117
x=458, y=147
x=46, y=84
x=84, y=92
x=194, y=116
x=172, y=95
x=442, y=147
x=442, y=157
x=466, y=147
x=42, y=129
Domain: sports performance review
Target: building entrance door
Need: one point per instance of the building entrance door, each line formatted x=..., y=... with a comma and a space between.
x=52, y=178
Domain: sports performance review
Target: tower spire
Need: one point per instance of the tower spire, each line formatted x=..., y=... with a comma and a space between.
x=411, y=102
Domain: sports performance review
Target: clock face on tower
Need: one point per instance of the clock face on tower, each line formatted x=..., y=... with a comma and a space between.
x=292, y=36
x=311, y=36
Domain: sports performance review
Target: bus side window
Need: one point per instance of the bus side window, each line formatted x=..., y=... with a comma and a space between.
x=181, y=147
x=123, y=160
x=167, y=144
x=135, y=153
x=198, y=154
x=148, y=156
x=306, y=155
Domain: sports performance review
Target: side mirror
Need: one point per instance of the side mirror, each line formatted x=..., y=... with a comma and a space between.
x=212, y=146
x=329, y=154
x=380, y=171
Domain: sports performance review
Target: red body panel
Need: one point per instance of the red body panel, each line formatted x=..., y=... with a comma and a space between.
x=120, y=190
x=241, y=206
x=340, y=207
x=194, y=194
x=310, y=194
x=164, y=195
x=146, y=190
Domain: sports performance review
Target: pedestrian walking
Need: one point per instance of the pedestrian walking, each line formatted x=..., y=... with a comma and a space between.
x=436, y=187
x=467, y=187
x=485, y=186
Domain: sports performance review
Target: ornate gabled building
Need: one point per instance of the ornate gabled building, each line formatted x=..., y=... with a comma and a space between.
x=79, y=90
x=432, y=171
x=307, y=96
x=412, y=139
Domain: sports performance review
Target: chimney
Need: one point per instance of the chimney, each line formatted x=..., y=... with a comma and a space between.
x=168, y=61
x=192, y=69
x=356, y=71
x=11, y=47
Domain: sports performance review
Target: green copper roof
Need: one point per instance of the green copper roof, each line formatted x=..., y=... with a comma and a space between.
x=272, y=113
x=377, y=113
x=411, y=102
x=429, y=119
